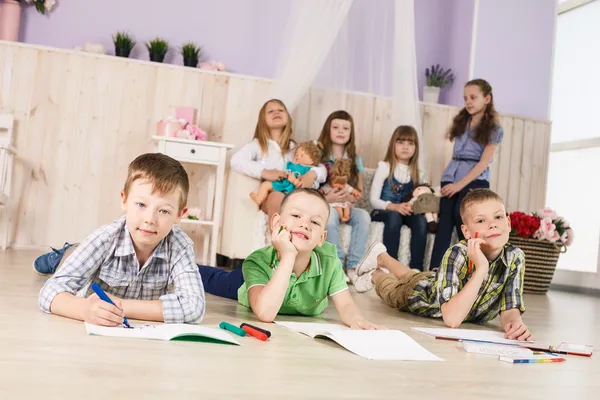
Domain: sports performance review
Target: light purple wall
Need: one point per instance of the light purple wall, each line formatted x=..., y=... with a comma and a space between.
x=246, y=35
x=432, y=26
x=459, y=49
x=514, y=53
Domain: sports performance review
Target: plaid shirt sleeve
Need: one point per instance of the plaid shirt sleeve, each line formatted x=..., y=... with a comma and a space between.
x=447, y=284
x=186, y=304
x=512, y=295
x=77, y=270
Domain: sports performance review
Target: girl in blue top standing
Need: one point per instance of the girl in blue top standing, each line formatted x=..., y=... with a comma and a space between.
x=476, y=135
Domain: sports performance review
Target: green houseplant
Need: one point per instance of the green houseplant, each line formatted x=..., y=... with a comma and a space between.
x=124, y=43
x=157, y=49
x=191, y=54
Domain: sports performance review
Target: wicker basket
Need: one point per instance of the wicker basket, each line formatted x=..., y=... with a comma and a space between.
x=541, y=258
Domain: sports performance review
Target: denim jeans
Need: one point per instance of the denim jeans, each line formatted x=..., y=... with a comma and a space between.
x=359, y=221
x=392, y=223
x=221, y=283
x=450, y=219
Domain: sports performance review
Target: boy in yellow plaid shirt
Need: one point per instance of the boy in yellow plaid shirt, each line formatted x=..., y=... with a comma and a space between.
x=454, y=292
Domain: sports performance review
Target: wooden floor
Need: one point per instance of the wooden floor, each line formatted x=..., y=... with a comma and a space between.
x=46, y=357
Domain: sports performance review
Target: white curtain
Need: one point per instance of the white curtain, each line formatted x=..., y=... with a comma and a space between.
x=314, y=25
x=405, y=94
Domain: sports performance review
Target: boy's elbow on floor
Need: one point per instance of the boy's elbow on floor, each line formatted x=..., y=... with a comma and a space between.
x=196, y=316
x=451, y=321
x=264, y=316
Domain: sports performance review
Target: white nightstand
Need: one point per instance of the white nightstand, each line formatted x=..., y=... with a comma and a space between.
x=206, y=153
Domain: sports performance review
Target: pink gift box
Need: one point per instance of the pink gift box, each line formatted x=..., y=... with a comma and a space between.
x=168, y=128
x=187, y=113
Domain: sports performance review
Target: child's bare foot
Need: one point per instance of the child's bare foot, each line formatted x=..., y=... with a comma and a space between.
x=255, y=198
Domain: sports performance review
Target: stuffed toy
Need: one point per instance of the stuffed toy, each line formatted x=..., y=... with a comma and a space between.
x=306, y=156
x=339, y=174
x=424, y=201
x=212, y=66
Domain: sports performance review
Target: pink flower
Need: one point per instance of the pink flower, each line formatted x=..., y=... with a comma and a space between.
x=569, y=237
x=547, y=231
x=546, y=212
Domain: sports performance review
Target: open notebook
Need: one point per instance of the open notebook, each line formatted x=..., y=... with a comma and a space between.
x=182, y=332
x=373, y=345
x=468, y=334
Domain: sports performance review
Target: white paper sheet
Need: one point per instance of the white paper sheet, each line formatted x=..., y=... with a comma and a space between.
x=160, y=332
x=373, y=345
x=468, y=334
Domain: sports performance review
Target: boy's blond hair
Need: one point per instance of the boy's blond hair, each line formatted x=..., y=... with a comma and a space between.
x=309, y=191
x=163, y=172
x=478, y=196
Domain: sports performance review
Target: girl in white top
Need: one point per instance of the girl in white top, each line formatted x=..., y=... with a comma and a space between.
x=272, y=147
x=392, y=185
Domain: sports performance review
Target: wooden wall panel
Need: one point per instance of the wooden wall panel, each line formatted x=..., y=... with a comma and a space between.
x=81, y=118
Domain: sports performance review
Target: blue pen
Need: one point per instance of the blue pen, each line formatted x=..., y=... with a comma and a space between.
x=98, y=290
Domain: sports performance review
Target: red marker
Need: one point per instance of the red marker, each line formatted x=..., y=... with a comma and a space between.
x=471, y=261
x=255, y=333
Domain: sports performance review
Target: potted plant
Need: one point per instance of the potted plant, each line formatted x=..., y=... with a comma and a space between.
x=437, y=78
x=157, y=49
x=191, y=54
x=542, y=236
x=124, y=43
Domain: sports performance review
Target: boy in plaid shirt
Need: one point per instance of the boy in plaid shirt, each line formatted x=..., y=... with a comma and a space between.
x=494, y=286
x=144, y=263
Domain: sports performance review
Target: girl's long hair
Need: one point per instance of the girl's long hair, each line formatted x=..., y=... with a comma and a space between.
x=489, y=121
x=350, y=148
x=263, y=134
x=401, y=133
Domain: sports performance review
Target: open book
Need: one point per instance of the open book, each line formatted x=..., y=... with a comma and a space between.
x=469, y=334
x=183, y=332
x=373, y=345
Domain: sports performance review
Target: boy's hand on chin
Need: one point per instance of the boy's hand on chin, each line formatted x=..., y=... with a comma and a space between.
x=281, y=239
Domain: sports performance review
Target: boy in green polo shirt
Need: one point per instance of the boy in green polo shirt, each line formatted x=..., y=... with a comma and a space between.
x=296, y=273
x=457, y=293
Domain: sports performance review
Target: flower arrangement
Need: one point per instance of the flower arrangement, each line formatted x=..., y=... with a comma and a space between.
x=438, y=77
x=545, y=224
x=42, y=6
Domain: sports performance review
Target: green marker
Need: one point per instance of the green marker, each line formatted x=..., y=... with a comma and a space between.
x=232, y=328
x=280, y=229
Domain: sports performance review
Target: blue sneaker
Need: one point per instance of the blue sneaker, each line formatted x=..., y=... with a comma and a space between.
x=47, y=263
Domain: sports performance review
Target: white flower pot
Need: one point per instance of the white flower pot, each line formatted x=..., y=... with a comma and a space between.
x=431, y=94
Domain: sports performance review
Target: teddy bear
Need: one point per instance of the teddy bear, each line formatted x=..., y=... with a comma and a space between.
x=424, y=201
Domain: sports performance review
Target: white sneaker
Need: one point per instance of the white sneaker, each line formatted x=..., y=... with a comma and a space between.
x=369, y=261
x=346, y=277
x=363, y=282
x=352, y=276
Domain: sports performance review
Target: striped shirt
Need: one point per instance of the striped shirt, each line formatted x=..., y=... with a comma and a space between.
x=502, y=288
x=107, y=257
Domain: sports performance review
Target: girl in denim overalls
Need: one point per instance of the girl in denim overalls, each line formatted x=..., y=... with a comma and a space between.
x=476, y=135
x=393, y=182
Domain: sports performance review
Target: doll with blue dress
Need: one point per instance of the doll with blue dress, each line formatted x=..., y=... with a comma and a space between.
x=306, y=156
